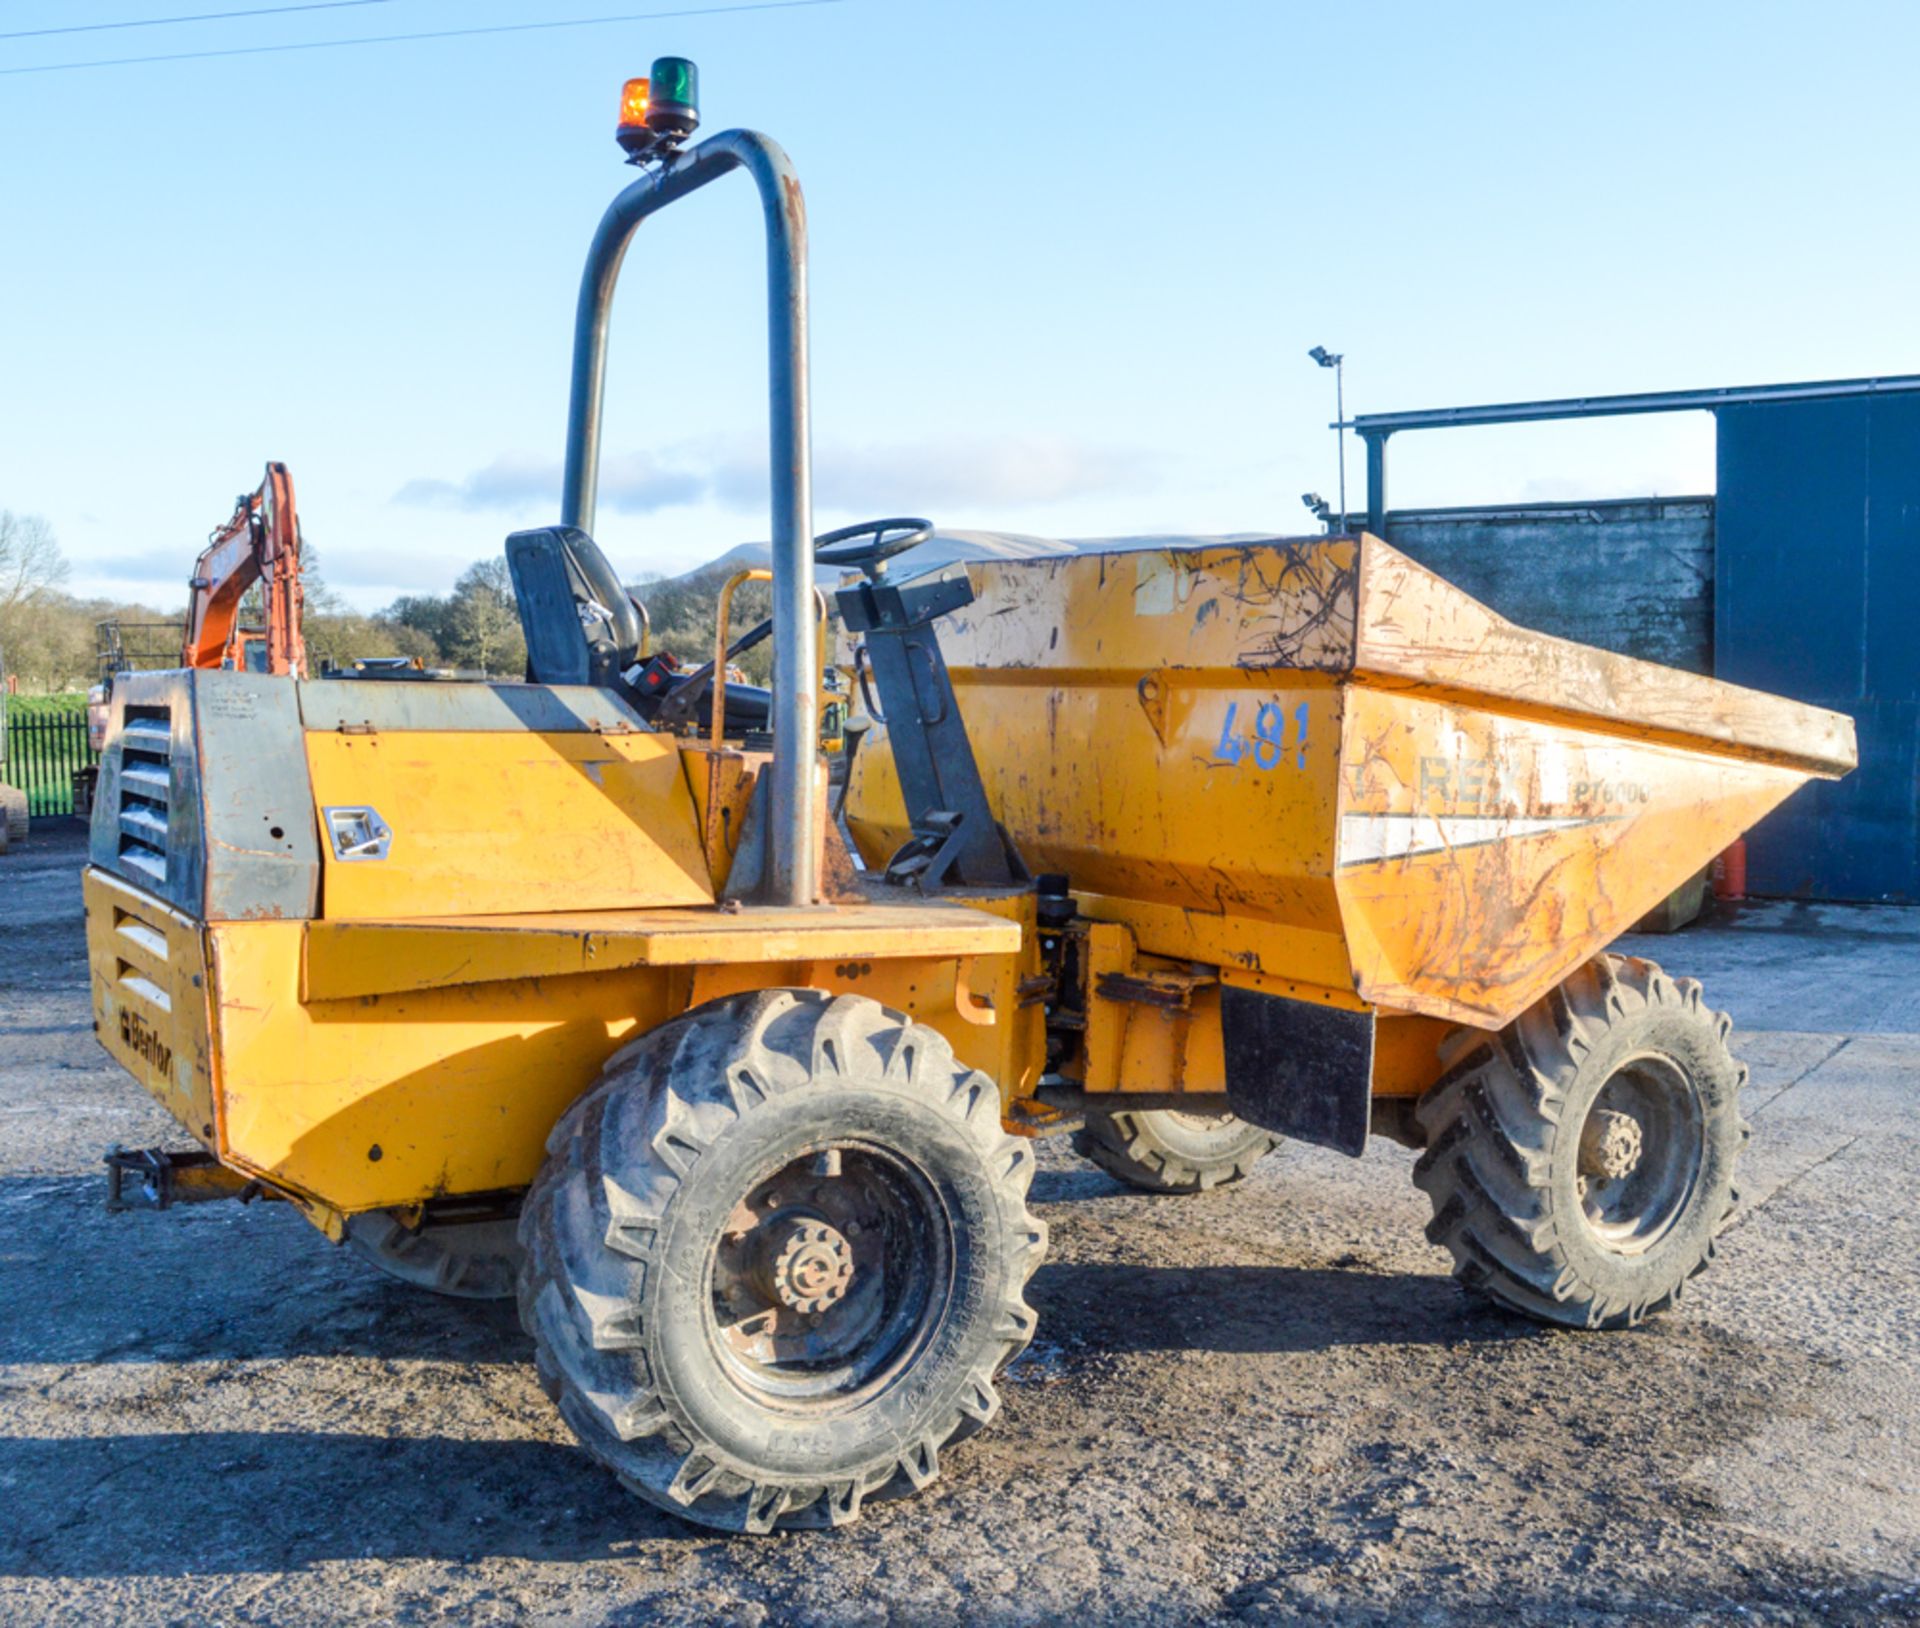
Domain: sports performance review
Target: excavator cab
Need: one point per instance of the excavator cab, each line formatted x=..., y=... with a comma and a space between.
x=248, y=652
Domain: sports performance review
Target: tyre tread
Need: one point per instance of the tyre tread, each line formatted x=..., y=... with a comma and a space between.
x=659, y=1103
x=1489, y=1123
x=1128, y=1147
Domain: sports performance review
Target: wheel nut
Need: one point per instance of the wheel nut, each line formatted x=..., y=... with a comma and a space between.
x=813, y=1268
x=1610, y=1145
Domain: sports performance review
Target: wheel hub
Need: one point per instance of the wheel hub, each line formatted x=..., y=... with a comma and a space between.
x=1610, y=1145
x=812, y=1268
x=825, y=1273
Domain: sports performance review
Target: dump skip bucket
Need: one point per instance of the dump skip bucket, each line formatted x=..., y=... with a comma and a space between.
x=1319, y=762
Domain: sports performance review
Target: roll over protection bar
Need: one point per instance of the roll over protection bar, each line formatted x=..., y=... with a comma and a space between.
x=794, y=853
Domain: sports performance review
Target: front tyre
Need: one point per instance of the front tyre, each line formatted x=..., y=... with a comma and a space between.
x=1580, y=1162
x=776, y=1259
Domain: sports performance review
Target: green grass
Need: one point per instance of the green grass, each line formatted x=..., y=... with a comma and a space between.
x=40, y=706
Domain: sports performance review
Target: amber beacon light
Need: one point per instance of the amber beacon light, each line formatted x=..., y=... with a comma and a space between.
x=659, y=112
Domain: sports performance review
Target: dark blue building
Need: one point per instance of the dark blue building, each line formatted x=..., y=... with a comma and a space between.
x=1813, y=592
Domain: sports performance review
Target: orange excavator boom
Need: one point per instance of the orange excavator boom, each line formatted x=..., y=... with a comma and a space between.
x=259, y=543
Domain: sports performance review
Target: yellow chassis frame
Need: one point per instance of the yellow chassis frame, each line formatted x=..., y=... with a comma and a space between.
x=366, y=1065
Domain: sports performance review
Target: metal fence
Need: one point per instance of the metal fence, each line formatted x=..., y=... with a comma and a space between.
x=41, y=751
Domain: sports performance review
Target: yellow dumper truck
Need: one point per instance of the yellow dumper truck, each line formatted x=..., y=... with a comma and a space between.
x=572, y=989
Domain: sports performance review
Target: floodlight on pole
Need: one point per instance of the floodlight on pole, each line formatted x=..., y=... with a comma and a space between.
x=1334, y=359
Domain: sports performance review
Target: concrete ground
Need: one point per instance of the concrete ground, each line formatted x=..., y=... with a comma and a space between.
x=1263, y=1405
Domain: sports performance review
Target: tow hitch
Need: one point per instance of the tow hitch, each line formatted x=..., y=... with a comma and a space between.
x=161, y=1179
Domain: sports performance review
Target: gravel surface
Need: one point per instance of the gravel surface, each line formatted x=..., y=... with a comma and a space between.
x=1266, y=1405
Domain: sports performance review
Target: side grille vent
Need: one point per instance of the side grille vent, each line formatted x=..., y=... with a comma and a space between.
x=146, y=779
x=140, y=964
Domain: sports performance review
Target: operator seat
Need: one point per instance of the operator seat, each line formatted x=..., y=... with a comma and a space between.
x=582, y=628
x=580, y=625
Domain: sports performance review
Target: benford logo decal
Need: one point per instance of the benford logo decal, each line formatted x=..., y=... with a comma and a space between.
x=145, y=1042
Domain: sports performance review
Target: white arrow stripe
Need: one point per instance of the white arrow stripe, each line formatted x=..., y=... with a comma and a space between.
x=1367, y=839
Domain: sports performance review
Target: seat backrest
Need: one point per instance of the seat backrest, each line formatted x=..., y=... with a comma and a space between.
x=580, y=625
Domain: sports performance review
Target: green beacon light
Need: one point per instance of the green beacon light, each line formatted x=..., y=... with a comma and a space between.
x=673, y=101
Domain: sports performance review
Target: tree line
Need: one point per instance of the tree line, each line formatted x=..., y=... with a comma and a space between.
x=49, y=637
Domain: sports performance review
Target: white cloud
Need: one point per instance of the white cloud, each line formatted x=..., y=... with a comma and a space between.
x=511, y=482
x=514, y=483
x=973, y=474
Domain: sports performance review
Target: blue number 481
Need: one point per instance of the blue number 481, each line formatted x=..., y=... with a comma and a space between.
x=1269, y=743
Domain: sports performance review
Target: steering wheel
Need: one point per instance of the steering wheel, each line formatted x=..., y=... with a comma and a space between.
x=863, y=547
x=883, y=539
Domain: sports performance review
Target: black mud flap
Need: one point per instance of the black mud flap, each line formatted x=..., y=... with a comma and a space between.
x=1299, y=1069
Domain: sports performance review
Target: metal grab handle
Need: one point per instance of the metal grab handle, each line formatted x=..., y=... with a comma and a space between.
x=722, y=617
x=646, y=626
x=863, y=676
x=908, y=649
x=717, y=684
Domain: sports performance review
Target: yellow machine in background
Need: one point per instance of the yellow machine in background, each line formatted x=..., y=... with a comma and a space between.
x=570, y=990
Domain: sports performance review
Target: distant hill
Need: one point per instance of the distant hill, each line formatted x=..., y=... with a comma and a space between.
x=947, y=547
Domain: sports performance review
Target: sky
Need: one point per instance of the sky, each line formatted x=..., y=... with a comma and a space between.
x=1068, y=258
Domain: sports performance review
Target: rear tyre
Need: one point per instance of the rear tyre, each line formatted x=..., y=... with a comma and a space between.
x=1168, y=1150
x=776, y=1259
x=1580, y=1162
x=470, y=1260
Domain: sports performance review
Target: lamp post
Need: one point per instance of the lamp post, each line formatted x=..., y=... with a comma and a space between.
x=1327, y=358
